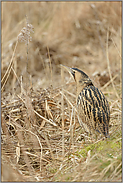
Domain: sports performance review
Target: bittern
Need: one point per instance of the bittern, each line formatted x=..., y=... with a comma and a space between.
x=93, y=108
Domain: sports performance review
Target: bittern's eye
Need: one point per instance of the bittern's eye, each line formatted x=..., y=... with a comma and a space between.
x=73, y=73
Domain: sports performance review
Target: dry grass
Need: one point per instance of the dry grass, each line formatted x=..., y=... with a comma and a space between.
x=41, y=136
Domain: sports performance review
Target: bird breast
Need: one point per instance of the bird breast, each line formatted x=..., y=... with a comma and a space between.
x=93, y=109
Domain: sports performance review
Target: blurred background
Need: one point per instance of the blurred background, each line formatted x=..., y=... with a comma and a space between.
x=86, y=35
x=69, y=33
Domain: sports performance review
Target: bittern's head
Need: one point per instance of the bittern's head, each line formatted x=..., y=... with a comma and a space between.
x=80, y=77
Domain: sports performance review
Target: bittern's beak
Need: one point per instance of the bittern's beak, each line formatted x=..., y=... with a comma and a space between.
x=70, y=70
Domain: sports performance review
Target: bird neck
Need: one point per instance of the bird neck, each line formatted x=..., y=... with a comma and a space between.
x=80, y=87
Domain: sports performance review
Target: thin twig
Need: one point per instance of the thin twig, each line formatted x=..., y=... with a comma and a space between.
x=53, y=123
x=109, y=82
x=109, y=69
x=39, y=144
x=9, y=67
x=49, y=146
x=116, y=47
x=50, y=65
x=10, y=62
x=62, y=99
x=68, y=100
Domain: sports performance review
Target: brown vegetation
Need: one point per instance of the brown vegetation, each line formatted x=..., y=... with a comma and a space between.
x=41, y=136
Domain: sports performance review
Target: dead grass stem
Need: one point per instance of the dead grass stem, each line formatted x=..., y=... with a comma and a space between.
x=41, y=138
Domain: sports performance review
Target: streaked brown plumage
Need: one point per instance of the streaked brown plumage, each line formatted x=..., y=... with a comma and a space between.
x=93, y=108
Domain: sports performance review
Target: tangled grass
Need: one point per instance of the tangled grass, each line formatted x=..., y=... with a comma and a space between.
x=41, y=139
x=42, y=148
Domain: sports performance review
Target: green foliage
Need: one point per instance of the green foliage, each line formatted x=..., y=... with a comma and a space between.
x=103, y=147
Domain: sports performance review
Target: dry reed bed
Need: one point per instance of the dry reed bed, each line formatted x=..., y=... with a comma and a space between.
x=38, y=145
x=41, y=137
x=33, y=123
x=79, y=39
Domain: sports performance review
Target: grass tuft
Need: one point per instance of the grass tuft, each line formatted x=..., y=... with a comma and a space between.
x=41, y=139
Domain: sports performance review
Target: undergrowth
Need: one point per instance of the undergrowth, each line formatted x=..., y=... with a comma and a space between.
x=41, y=139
